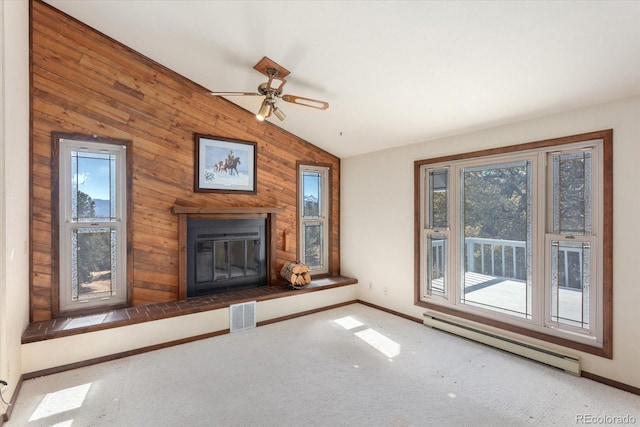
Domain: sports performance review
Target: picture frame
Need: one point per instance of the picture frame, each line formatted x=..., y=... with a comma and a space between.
x=224, y=165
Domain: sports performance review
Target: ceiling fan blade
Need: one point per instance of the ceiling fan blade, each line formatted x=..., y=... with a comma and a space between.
x=307, y=102
x=236, y=94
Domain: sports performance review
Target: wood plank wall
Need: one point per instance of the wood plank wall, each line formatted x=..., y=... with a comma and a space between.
x=86, y=83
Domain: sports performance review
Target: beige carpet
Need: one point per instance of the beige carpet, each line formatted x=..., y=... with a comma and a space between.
x=350, y=366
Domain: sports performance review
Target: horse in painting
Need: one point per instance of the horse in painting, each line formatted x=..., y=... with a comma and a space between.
x=228, y=165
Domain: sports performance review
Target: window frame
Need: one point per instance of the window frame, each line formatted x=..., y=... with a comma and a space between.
x=324, y=218
x=60, y=302
x=605, y=188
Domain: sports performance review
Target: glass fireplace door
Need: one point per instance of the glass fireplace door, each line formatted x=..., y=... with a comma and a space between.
x=225, y=257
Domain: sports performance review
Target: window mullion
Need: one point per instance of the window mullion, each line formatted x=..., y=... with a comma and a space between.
x=454, y=221
x=540, y=283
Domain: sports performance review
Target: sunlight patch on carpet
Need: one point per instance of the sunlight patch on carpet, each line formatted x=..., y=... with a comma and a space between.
x=61, y=401
x=384, y=345
x=349, y=322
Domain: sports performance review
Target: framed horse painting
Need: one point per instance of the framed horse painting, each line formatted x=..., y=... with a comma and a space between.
x=224, y=165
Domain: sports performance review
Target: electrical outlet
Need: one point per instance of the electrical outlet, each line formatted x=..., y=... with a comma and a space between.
x=370, y=285
x=386, y=291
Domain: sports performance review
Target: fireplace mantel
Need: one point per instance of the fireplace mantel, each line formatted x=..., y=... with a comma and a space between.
x=186, y=212
x=226, y=210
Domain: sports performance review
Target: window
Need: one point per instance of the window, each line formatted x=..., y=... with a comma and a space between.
x=314, y=217
x=92, y=223
x=517, y=238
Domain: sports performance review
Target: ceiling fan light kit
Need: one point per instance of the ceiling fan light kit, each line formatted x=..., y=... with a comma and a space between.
x=279, y=114
x=265, y=111
x=272, y=90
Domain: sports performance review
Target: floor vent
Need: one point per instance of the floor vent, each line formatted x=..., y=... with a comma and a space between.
x=568, y=363
x=242, y=316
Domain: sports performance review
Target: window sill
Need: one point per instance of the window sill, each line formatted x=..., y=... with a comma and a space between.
x=74, y=325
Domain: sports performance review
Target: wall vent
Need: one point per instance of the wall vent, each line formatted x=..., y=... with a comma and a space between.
x=568, y=363
x=242, y=316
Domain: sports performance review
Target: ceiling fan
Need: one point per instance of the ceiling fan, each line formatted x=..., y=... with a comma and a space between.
x=272, y=91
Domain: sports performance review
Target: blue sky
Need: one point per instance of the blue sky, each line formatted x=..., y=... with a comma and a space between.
x=92, y=176
x=311, y=184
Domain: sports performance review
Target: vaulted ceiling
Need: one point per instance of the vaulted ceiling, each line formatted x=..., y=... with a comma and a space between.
x=393, y=72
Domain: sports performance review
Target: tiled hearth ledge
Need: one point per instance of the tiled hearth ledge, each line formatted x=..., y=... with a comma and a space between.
x=66, y=326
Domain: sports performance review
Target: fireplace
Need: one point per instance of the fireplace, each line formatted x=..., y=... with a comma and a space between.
x=225, y=255
x=188, y=214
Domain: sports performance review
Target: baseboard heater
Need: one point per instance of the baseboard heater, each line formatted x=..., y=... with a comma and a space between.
x=568, y=363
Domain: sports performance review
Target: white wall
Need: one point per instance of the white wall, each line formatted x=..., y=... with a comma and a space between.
x=14, y=187
x=377, y=218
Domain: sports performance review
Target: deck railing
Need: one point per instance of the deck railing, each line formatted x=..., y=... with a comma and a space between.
x=497, y=265
x=499, y=258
